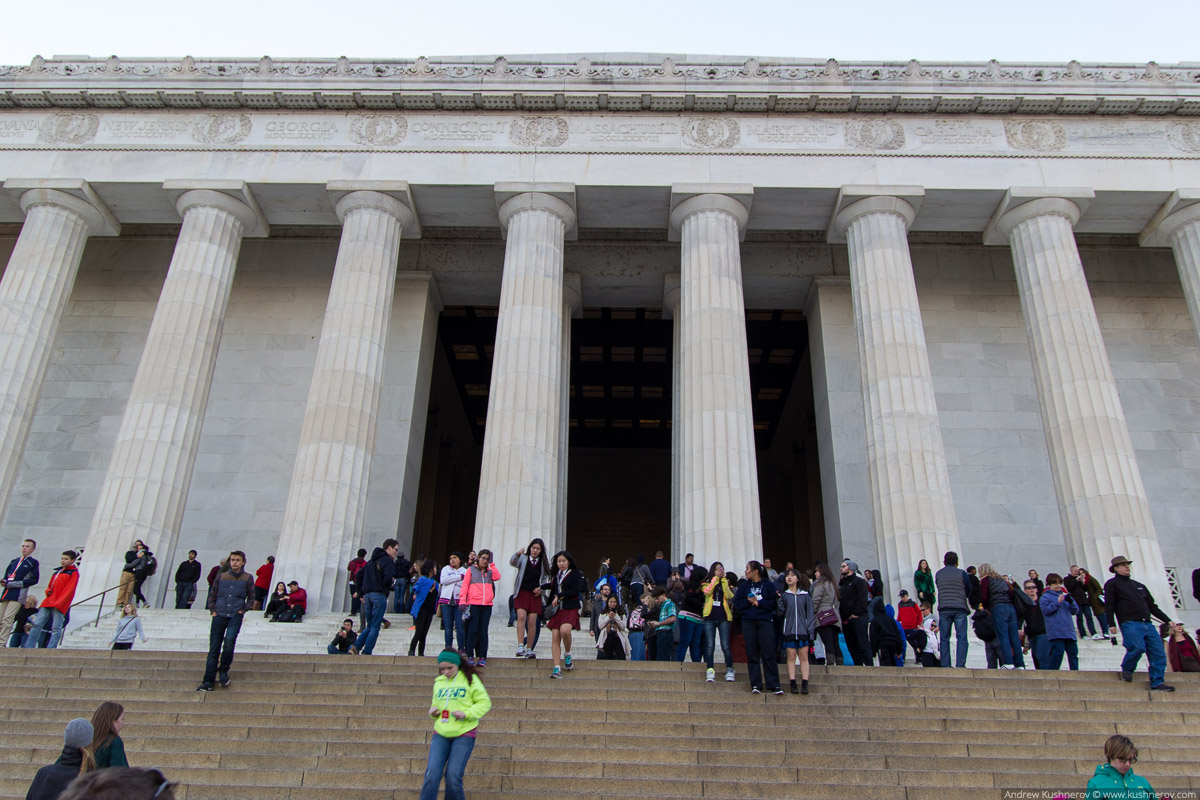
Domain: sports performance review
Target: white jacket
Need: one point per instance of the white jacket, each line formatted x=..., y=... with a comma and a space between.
x=451, y=583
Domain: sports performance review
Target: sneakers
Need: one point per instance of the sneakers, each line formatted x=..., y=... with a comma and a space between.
x=1127, y=676
x=1007, y=666
x=1162, y=687
x=793, y=688
x=223, y=679
x=755, y=690
x=778, y=690
x=521, y=651
x=481, y=662
x=557, y=673
x=729, y=675
x=803, y=687
x=204, y=687
x=529, y=653
x=1098, y=636
x=567, y=662
x=710, y=675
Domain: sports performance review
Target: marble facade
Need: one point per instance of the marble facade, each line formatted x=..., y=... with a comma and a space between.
x=218, y=315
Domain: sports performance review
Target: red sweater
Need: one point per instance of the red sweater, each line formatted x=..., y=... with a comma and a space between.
x=298, y=598
x=61, y=589
x=262, y=576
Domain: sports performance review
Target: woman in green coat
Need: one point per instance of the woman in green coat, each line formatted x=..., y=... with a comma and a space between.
x=107, y=746
x=923, y=579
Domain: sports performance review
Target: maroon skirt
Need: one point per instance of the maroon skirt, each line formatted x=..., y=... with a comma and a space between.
x=528, y=601
x=564, y=616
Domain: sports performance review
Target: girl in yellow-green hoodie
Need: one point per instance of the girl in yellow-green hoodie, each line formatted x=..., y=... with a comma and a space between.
x=459, y=702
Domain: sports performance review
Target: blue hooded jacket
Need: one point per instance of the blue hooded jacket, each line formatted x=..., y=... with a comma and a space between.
x=1060, y=617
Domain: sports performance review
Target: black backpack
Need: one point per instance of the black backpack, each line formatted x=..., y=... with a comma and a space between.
x=151, y=565
x=982, y=623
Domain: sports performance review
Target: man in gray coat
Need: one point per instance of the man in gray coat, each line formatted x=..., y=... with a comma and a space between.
x=953, y=589
x=229, y=598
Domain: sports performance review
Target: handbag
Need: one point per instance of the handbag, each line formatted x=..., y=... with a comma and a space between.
x=826, y=618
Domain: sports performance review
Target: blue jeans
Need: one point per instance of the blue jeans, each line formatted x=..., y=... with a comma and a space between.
x=56, y=619
x=1004, y=618
x=1040, y=648
x=373, y=606
x=1057, y=648
x=711, y=630
x=957, y=618
x=222, y=636
x=1085, y=613
x=477, y=632
x=1139, y=638
x=690, y=634
x=447, y=757
x=452, y=620
x=664, y=644
x=400, y=604
x=637, y=646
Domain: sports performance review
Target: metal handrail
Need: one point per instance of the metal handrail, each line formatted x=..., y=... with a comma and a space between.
x=100, y=607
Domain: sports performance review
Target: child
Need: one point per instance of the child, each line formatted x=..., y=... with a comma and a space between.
x=565, y=593
x=981, y=622
x=1116, y=778
x=799, y=626
x=612, y=643
x=1059, y=610
x=343, y=639
x=128, y=627
x=930, y=655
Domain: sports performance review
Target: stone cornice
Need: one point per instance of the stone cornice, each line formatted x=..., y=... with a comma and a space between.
x=606, y=83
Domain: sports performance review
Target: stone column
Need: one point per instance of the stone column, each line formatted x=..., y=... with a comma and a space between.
x=1101, y=499
x=59, y=218
x=671, y=309
x=146, y=485
x=572, y=306
x=327, y=500
x=718, y=475
x=519, y=479
x=1177, y=224
x=906, y=461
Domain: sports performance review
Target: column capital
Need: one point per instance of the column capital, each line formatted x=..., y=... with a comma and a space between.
x=557, y=198
x=1182, y=207
x=671, y=285
x=856, y=200
x=1025, y=202
x=391, y=197
x=233, y=197
x=689, y=198
x=76, y=195
x=572, y=289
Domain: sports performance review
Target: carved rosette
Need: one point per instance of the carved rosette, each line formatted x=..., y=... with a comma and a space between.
x=874, y=134
x=69, y=129
x=1039, y=136
x=378, y=130
x=538, y=131
x=712, y=133
x=222, y=128
x=1184, y=136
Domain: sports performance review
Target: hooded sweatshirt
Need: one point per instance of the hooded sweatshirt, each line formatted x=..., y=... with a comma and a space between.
x=799, y=621
x=883, y=629
x=457, y=694
x=1107, y=783
x=378, y=575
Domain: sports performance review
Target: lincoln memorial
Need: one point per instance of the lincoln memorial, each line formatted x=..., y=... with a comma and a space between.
x=738, y=308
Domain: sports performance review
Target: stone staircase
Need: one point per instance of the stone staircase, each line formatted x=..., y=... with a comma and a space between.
x=304, y=726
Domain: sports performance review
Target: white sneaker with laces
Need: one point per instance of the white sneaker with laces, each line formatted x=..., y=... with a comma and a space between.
x=521, y=651
x=710, y=676
x=729, y=675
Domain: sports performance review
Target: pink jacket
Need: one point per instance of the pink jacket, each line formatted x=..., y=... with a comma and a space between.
x=478, y=589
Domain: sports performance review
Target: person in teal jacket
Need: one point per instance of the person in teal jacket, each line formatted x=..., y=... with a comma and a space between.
x=1116, y=778
x=459, y=702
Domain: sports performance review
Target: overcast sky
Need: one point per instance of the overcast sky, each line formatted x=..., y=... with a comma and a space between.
x=1166, y=31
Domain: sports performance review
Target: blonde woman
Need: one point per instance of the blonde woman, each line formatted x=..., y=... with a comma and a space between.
x=129, y=626
x=997, y=597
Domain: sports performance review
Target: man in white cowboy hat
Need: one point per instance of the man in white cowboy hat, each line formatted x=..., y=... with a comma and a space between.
x=1133, y=606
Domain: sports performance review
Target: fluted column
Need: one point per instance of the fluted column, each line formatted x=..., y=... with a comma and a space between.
x=519, y=479
x=572, y=304
x=1101, y=499
x=327, y=500
x=671, y=309
x=1178, y=224
x=718, y=474
x=146, y=485
x=33, y=294
x=906, y=461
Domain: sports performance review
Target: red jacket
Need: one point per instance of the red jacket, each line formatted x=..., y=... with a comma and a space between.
x=298, y=598
x=262, y=576
x=61, y=589
x=909, y=616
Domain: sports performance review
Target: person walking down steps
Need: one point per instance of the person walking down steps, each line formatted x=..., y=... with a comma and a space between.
x=459, y=702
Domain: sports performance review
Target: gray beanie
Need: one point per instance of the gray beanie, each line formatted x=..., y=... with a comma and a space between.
x=852, y=565
x=79, y=733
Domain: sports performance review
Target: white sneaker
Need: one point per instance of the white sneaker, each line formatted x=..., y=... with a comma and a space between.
x=710, y=676
x=729, y=675
x=1099, y=636
x=521, y=651
x=1007, y=666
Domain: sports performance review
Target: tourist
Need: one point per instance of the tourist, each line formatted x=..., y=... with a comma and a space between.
x=874, y=584
x=825, y=606
x=107, y=747
x=690, y=619
x=1037, y=582
x=1093, y=594
x=799, y=626
x=660, y=570
x=985, y=631
x=125, y=587
x=277, y=602
x=955, y=588
x=1116, y=778
x=973, y=580
x=625, y=581
x=295, y=604
x=229, y=598
x=883, y=635
x=425, y=595
x=637, y=629
x=909, y=615
x=605, y=577
x=343, y=640
x=1059, y=610
x=1182, y=654
x=407, y=574
x=660, y=628
x=450, y=584
x=688, y=569
x=143, y=566
x=459, y=702
x=1078, y=591
x=375, y=581
x=187, y=575
x=23, y=621
x=1031, y=616
x=597, y=606
x=352, y=568
x=923, y=581
x=129, y=627
x=60, y=591
x=718, y=617
x=757, y=602
x=1131, y=605
x=852, y=606
x=565, y=600
x=996, y=596
x=22, y=573
x=772, y=575
x=612, y=640
x=262, y=582
x=121, y=783
x=220, y=567
x=675, y=588
x=642, y=581
x=931, y=654
x=75, y=759
x=533, y=570
x=479, y=594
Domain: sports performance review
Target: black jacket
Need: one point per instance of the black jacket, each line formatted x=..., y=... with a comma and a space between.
x=883, y=630
x=188, y=572
x=852, y=597
x=378, y=574
x=53, y=779
x=1030, y=614
x=343, y=643
x=1130, y=601
x=569, y=592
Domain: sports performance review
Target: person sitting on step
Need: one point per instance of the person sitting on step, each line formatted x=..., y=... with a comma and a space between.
x=1182, y=654
x=278, y=600
x=295, y=604
x=343, y=639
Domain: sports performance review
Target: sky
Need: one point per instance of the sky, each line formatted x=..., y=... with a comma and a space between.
x=1091, y=31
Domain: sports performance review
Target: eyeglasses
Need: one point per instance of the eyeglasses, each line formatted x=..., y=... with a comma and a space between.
x=1132, y=760
x=163, y=783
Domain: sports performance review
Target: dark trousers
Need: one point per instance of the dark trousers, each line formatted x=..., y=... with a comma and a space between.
x=477, y=631
x=122, y=646
x=183, y=595
x=759, y=636
x=222, y=636
x=424, y=618
x=857, y=642
x=829, y=638
x=137, y=588
x=887, y=655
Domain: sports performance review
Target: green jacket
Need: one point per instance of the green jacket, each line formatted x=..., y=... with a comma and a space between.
x=1108, y=783
x=111, y=754
x=924, y=584
x=457, y=695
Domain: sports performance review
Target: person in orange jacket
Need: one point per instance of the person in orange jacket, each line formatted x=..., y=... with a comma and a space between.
x=59, y=594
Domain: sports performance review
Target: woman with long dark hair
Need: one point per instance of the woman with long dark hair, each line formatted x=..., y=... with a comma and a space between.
x=448, y=597
x=612, y=640
x=425, y=593
x=459, y=702
x=566, y=589
x=923, y=581
x=756, y=599
x=533, y=570
x=108, y=749
x=825, y=607
x=278, y=600
x=717, y=615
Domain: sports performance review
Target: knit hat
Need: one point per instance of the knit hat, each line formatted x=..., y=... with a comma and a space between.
x=852, y=565
x=79, y=733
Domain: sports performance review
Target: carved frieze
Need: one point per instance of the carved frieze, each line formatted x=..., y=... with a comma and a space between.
x=70, y=129
x=378, y=130
x=875, y=134
x=1037, y=136
x=538, y=131
x=1184, y=136
x=712, y=133
x=222, y=128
